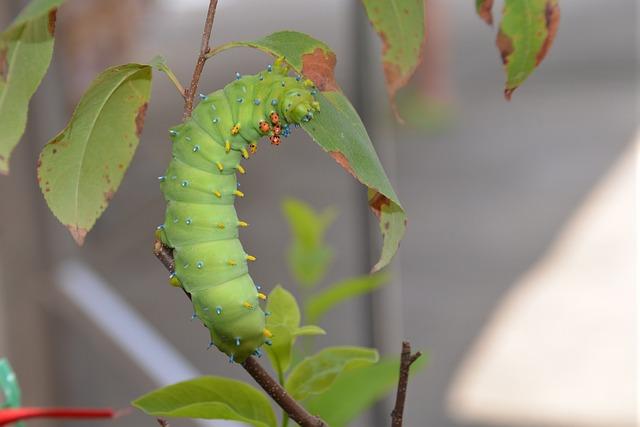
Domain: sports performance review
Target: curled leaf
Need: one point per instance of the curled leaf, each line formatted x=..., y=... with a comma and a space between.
x=526, y=33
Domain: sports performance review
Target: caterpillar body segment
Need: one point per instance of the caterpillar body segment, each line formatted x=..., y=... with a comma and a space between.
x=200, y=186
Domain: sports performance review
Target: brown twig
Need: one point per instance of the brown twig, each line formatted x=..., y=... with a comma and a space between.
x=190, y=93
x=406, y=359
x=295, y=411
x=163, y=422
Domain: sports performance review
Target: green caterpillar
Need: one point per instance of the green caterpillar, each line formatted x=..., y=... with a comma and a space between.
x=200, y=186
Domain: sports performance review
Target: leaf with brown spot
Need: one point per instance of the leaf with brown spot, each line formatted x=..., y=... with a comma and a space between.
x=484, y=10
x=400, y=25
x=305, y=54
x=319, y=67
x=339, y=131
x=82, y=167
x=527, y=31
x=26, y=48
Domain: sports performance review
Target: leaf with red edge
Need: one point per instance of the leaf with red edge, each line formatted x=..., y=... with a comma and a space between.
x=81, y=168
x=26, y=49
x=484, y=9
x=307, y=55
x=339, y=131
x=526, y=33
x=400, y=25
x=337, y=128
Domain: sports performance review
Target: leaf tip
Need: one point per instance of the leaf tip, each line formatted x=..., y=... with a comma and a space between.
x=78, y=233
x=508, y=92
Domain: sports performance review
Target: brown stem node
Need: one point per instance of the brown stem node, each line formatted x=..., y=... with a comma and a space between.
x=406, y=359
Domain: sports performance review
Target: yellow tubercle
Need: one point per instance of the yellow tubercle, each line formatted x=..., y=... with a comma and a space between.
x=227, y=146
x=262, y=296
x=235, y=129
x=245, y=153
x=238, y=193
x=174, y=281
x=247, y=304
x=267, y=333
x=240, y=169
x=219, y=166
x=220, y=225
x=251, y=258
x=242, y=224
x=308, y=83
x=217, y=194
x=231, y=262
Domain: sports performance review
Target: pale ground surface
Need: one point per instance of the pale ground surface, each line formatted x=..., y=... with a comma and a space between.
x=560, y=348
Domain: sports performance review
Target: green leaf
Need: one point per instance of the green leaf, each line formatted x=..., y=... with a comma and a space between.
x=9, y=388
x=316, y=374
x=26, y=48
x=209, y=398
x=340, y=132
x=527, y=31
x=309, y=330
x=400, y=25
x=81, y=168
x=307, y=55
x=338, y=128
x=355, y=391
x=309, y=256
x=484, y=10
x=320, y=303
x=283, y=321
x=36, y=9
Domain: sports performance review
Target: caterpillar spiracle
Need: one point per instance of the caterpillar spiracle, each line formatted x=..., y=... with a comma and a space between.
x=200, y=187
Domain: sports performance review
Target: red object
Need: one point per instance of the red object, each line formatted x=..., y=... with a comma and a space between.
x=12, y=415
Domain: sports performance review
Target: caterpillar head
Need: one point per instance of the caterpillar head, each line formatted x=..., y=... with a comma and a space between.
x=298, y=105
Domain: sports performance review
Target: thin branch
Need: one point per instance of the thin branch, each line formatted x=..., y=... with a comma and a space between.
x=163, y=422
x=406, y=359
x=295, y=411
x=190, y=93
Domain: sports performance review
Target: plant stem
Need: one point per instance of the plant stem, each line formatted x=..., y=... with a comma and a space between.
x=406, y=359
x=294, y=410
x=175, y=81
x=190, y=93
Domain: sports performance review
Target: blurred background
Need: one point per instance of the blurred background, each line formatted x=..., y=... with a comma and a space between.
x=516, y=274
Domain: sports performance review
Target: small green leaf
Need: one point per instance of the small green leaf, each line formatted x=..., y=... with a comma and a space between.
x=320, y=303
x=316, y=374
x=400, y=24
x=309, y=256
x=307, y=55
x=484, y=10
x=81, y=168
x=309, y=330
x=527, y=31
x=355, y=391
x=26, y=48
x=339, y=131
x=283, y=321
x=209, y=398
